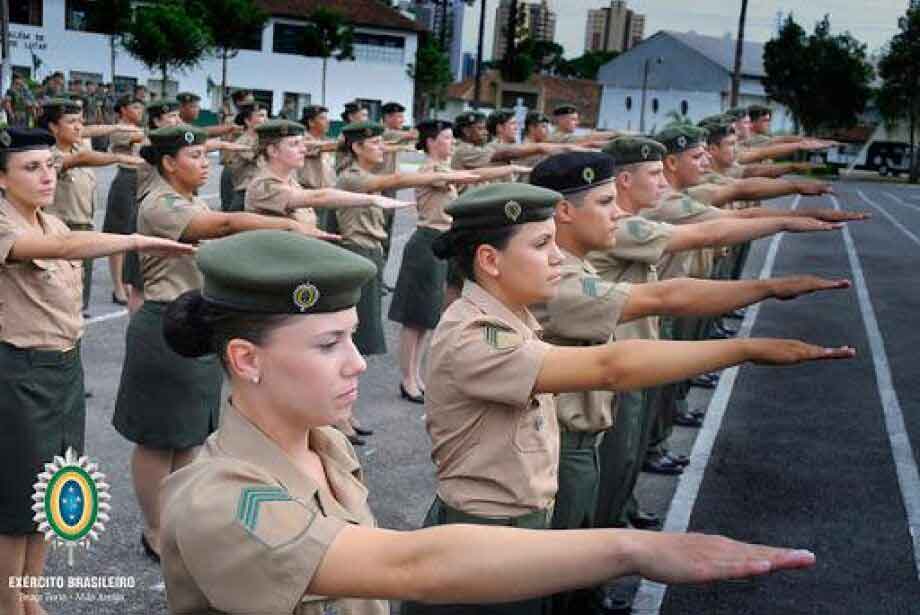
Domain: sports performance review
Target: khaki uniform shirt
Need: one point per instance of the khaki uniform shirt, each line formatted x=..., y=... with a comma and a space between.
x=363, y=226
x=390, y=159
x=75, y=194
x=40, y=300
x=495, y=443
x=756, y=140
x=563, y=137
x=584, y=312
x=120, y=143
x=529, y=161
x=640, y=245
x=468, y=157
x=318, y=169
x=681, y=208
x=431, y=200
x=244, y=165
x=166, y=213
x=244, y=530
x=271, y=196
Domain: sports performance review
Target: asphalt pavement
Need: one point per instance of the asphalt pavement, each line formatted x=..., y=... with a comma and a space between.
x=795, y=456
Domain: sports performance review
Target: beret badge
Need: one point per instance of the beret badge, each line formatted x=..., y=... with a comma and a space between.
x=588, y=175
x=189, y=137
x=513, y=210
x=646, y=151
x=305, y=296
x=5, y=138
x=682, y=142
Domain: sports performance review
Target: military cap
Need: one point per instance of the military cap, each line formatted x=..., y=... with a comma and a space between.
x=736, y=113
x=535, y=117
x=430, y=129
x=392, y=107
x=187, y=97
x=715, y=119
x=24, y=139
x=718, y=128
x=565, y=109
x=173, y=138
x=63, y=105
x=278, y=129
x=162, y=107
x=312, y=111
x=468, y=118
x=362, y=130
x=758, y=111
x=352, y=107
x=679, y=138
x=127, y=100
x=635, y=150
x=278, y=272
x=497, y=205
x=573, y=171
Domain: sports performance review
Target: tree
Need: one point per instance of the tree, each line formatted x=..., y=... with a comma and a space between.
x=823, y=79
x=112, y=18
x=233, y=24
x=586, y=66
x=432, y=75
x=328, y=35
x=899, y=68
x=164, y=35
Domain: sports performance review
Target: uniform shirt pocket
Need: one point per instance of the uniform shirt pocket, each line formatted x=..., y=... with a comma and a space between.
x=531, y=429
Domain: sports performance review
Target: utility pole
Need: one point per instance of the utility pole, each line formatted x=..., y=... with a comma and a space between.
x=6, y=70
x=739, y=49
x=482, y=32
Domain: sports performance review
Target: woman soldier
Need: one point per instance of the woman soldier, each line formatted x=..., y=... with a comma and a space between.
x=491, y=413
x=420, y=287
x=121, y=205
x=244, y=165
x=75, y=198
x=363, y=229
x=273, y=515
x=168, y=405
x=41, y=376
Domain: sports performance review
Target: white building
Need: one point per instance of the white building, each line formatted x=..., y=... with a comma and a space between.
x=688, y=73
x=51, y=32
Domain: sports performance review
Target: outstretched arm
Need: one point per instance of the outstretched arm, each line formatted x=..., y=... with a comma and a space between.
x=399, y=181
x=77, y=245
x=91, y=158
x=731, y=229
x=334, y=198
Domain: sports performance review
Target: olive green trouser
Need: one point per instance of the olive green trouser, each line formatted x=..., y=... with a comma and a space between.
x=442, y=514
x=87, y=265
x=621, y=454
x=389, y=216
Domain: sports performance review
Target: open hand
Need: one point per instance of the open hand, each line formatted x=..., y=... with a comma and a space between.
x=837, y=215
x=771, y=351
x=158, y=246
x=814, y=188
x=388, y=203
x=461, y=177
x=795, y=286
x=809, y=225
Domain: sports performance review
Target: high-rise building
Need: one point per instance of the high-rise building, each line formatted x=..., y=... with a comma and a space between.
x=535, y=20
x=444, y=18
x=613, y=28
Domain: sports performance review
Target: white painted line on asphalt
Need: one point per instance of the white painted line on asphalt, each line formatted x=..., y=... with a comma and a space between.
x=891, y=218
x=901, y=449
x=650, y=595
x=900, y=202
x=105, y=317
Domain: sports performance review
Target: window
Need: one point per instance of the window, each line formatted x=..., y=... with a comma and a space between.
x=654, y=105
x=293, y=105
x=23, y=71
x=255, y=41
x=124, y=85
x=266, y=98
x=84, y=77
x=628, y=103
x=76, y=13
x=153, y=86
x=26, y=12
x=684, y=107
x=374, y=112
x=379, y=48
x=288, y=38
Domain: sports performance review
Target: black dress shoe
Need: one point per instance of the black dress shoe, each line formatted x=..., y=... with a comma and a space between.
x=118, y=301
x=148, y=550
x=737, y=314
x=688, y=419
x=415, y=399
x=612, y=602
x=681, y=460
x=355, y=439
x=362, y=432
x=662, y=464
x=645, y=521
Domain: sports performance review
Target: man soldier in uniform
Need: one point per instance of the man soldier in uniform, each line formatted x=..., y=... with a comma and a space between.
x=190, y=109
x=318, y=169
x=394, y=118
x=502, y=127
x=567, y=120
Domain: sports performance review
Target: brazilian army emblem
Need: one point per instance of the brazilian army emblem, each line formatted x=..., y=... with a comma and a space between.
x=71, y=502
x=189, y=137
x=306, y=296
x=513, y=210
x=588, y=175
x=646, y=151
x=681, y=142
x=5, y=138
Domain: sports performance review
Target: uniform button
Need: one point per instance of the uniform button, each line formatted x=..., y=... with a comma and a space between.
x=534, y=402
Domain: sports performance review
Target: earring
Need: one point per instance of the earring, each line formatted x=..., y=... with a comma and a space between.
x=256, y=379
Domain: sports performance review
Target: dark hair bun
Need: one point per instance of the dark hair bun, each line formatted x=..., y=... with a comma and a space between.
x=443, y=246
x=184, y=328
x=150, y=154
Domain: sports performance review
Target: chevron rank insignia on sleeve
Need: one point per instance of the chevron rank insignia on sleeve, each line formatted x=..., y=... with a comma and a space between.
x=501, y=339
x=271, y=515
x=638, y=230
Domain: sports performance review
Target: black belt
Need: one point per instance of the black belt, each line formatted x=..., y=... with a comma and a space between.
x=44, y=357
x=447, y=514
x=579, y=439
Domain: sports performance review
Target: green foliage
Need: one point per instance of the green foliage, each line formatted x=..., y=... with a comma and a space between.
x=164, y=35
x=899, y=68
x=823, y=79
x=586, y=66
x=231, y=22
x=431, y=73
x=329, y=35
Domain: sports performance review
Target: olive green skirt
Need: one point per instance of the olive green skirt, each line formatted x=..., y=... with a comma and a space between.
x=419, y=294
x=121, y=204
x=369, y=338
x=44, y=413
x=226, y=189
x=165, y=401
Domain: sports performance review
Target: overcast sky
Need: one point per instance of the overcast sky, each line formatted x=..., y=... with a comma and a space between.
x=872, y=21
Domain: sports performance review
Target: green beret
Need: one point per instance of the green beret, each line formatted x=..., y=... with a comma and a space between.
x=174, y=138
x=278, y=129
x=162, y=107
x=312, y=111
x=573, y=171
x=362, y=130
x=392, y=107
x=535, y=117
x=758, y=111
x=468, y=118
x=126, y=101
x=715, y=119
x=717, y=128
x=679, y=138
x=736, y=113
x=187, y=97
x=565, y=109
x=64, y=105
x=496, y=205
x=278, y=272
x=634, y=150
x=24, y=139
